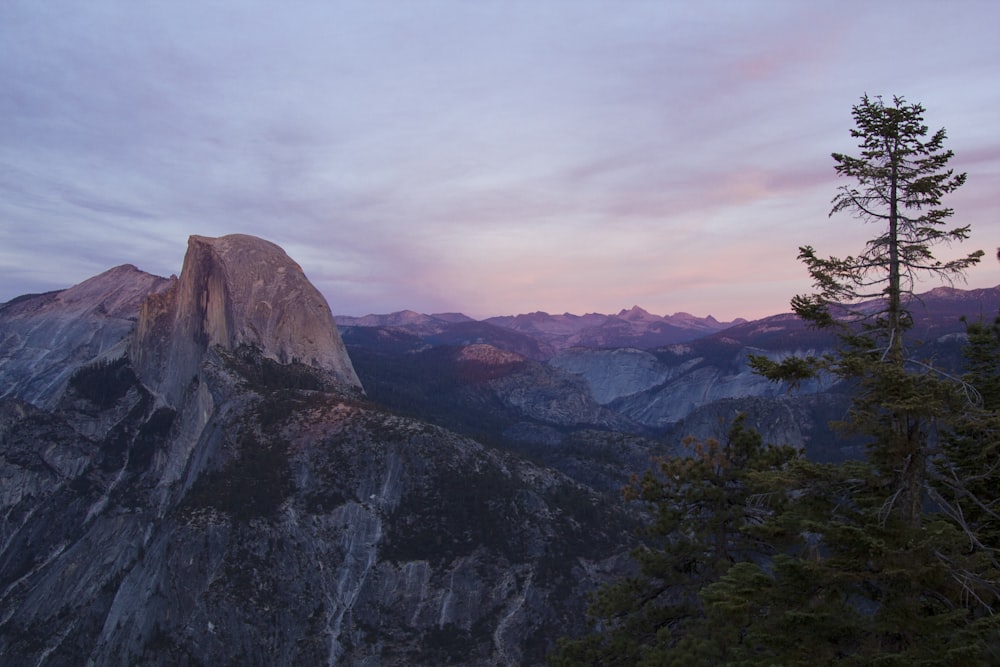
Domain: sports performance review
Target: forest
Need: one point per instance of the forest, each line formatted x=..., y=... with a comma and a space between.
x=752, y=554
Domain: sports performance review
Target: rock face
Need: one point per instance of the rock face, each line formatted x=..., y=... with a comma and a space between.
x=235, y=290
x=659, y=390
x=612, y=374
x=44, y=338
x=289, y=527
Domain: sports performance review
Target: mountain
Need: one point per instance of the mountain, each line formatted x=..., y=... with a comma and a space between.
x=213, y=486
x=665, y=393
x=44, y=338
x=549, y=333
x=445, y=329
x=234, y=291
x=543, y=325
x=402, y=319
x=628, y=328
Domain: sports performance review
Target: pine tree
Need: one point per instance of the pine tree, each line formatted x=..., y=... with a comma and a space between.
x=702, y=507
x=901, y=178
x=966, y=474
x=898, y=563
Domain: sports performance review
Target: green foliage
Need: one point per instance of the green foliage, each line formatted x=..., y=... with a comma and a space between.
x=103, y=382
x=907, y=577
x=900, y=177
x=859, y=586
x=263, y=373
x=705, y=509
x=902, y=577
x=966, y=479
x=900, y=180
x=793, y=370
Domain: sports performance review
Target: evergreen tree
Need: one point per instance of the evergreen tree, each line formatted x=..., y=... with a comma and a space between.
x=916, y=579
x=966, y=473
x=901, y=178
x=703, y=506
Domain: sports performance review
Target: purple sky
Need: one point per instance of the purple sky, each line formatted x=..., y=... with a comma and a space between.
x=484, y=157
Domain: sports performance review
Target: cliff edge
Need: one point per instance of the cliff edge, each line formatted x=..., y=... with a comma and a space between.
x=235, y=290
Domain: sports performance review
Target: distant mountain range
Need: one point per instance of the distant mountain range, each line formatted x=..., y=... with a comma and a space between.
x=642, y=374
x=542, y=336
x=551, y=333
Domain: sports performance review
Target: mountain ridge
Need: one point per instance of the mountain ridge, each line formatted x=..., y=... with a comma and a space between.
x=635, y=313
x=629, y=327
x=45, y=337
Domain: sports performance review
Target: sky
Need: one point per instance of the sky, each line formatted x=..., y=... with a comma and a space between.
x=483, y=157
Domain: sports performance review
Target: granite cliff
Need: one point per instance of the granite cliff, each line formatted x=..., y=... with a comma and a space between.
x=233, y=291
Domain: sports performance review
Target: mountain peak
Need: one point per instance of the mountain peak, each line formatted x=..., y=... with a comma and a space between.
x=48, y=336
x=452, y=317
x=235, y=290
x=637, y=314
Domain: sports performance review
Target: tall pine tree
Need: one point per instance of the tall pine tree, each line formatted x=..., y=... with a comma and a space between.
x=900, y=178
x=922, y=597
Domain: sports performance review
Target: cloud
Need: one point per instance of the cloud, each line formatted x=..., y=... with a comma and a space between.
x=485, y=157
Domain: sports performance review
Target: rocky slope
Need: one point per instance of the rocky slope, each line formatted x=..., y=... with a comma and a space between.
x=503, y=398
x=45, y=337
x=225, y=494
x=660, y=388
x=304, y=528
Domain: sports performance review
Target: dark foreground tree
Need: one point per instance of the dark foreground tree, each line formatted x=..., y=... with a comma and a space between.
x=897, y=548
x=966, y=470
x=703, y=508
x=901, y=177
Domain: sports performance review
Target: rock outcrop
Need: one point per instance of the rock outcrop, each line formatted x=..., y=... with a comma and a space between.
x=234, y=291
x=612, y=374
x=44, y=338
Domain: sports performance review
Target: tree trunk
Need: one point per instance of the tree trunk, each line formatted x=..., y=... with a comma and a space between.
x=895, y=305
